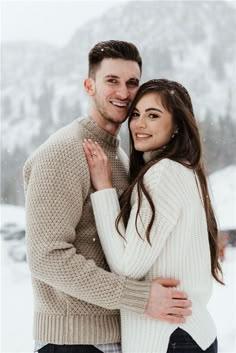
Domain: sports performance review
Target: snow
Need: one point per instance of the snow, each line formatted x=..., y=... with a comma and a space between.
x=10, y=213
x=223, y=188
x=17, y=305
x=222, y=305
x=16, y=291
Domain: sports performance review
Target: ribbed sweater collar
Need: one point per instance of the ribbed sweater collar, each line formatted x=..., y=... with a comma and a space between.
x=98, y=132
x=147, y=156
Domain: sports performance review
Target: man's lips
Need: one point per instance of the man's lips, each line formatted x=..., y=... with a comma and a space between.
x=120, y=104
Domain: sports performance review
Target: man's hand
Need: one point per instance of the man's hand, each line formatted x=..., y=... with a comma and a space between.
x=167, y=304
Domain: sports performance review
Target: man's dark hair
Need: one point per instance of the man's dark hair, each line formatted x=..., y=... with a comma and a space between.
x=114, y=49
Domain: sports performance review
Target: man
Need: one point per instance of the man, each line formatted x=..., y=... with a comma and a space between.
x=77, y=299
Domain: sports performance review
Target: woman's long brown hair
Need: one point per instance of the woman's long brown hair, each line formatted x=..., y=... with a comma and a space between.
x=184, y=148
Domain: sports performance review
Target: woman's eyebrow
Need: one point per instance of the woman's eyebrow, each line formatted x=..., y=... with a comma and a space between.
x=158, y=110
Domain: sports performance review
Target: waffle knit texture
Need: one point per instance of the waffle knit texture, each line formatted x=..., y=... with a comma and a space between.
x=180, y=249
x=76, y=297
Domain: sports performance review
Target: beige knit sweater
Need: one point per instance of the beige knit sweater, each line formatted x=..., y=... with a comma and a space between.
x=75, y=297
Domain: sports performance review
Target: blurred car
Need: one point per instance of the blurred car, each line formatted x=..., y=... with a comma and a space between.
x=12, y=231
x=7, y=227
x=18, y=251
x=231, y=237
x=223, y=241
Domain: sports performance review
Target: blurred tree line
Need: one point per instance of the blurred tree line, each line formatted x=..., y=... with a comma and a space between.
x=218, y=137
x=219, y=141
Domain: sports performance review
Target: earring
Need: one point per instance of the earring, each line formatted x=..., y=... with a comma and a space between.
x=174, y=133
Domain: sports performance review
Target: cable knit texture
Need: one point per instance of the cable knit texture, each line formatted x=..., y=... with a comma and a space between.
x=75, y=296
x=179, y=249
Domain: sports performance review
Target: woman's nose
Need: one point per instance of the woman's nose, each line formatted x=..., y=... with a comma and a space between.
x=142, y=122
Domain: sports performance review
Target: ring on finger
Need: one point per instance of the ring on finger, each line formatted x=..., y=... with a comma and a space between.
x=94, y=153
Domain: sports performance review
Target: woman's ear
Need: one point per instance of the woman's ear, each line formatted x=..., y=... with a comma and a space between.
x=176, y=129
x=89, y=86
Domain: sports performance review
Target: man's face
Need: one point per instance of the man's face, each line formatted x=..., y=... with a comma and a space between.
x=114, y=86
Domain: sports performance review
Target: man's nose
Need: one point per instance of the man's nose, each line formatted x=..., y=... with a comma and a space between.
x=122, y=92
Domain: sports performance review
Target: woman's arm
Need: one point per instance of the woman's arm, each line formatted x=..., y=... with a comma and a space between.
x=134, y=256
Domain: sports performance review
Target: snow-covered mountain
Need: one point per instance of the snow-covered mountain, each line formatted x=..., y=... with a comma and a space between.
x=193, y=42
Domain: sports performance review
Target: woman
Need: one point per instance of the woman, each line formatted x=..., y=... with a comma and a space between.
x=164, y=225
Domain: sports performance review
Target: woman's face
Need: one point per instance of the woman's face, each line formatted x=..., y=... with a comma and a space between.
x=151, y=124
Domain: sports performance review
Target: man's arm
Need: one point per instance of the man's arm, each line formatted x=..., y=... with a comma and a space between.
x=54, y=202
x=56, y=183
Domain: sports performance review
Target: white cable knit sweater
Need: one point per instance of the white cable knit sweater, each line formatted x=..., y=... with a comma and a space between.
x=180, y=249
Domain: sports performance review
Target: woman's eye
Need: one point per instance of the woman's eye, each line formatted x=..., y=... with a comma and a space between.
x=153, y=116
x=134, y=115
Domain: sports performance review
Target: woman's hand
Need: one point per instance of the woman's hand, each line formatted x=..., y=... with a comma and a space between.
x=99, y=165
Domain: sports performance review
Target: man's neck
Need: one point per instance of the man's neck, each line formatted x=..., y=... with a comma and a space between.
x=108, y=126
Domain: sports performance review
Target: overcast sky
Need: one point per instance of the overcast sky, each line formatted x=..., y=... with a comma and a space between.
x=52, y=22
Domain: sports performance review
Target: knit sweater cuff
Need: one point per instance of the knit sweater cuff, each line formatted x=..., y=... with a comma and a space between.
x=135, y=295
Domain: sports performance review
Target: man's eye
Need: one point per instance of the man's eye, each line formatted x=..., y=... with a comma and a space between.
x=133, y=83
x=112, y=80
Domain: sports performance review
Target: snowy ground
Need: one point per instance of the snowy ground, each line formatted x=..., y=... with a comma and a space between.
x=222, y=305
x=16, y=292
x=223, y=195
x=17, y=305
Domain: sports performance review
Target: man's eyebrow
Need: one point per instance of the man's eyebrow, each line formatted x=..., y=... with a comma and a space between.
x=134, y=79
x=117, y=77
x=111, y=76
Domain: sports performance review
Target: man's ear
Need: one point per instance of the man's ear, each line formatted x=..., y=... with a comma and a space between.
x=89, y=86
